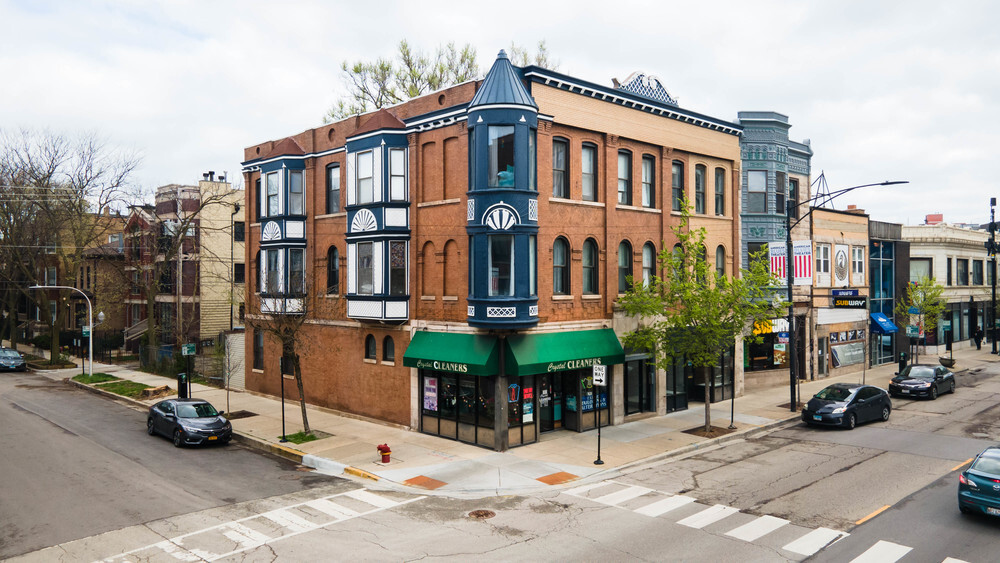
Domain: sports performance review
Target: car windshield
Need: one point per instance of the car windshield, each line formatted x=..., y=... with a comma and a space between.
x=920, y=372
x=197, y=410
x=9, y=354
x=834, y=394
x=988, y=464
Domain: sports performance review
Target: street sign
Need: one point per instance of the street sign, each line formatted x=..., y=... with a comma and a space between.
x=188, y=349
x=912, y=331
x=946, y=325
x=600, y=375
x=86, y=330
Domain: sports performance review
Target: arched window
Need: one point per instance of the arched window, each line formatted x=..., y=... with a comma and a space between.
x=648, y=259
x=720, y=261
x=624, y=266
x=370, y=347
x=590, y=259
x=699, y=189
x=388, y=349
x=720, y=191
x=560, y=267
x=332, y=271
x=677, y=184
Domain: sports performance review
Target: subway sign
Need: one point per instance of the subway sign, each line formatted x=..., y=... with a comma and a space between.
x=850, y=302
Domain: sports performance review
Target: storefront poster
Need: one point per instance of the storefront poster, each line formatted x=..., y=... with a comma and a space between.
x=848, y=354
x=588, y=402
x=430, y=393
x=529, y=411
x=780, y=352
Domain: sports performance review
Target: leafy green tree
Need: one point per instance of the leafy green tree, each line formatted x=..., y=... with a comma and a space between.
x=693, y=314
x=925, y=297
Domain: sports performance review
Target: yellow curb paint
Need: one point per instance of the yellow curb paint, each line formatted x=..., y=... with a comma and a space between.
x=360, y=473
x=872, y=515
x=961, y=465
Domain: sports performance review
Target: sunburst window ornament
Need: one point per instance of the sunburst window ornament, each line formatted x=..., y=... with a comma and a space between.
x=271, y=231
x=501, y=218
x=363, y=221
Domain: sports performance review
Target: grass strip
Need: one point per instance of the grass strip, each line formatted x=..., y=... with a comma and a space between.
x=300, y=437
x=125, y=388
x=96, y=378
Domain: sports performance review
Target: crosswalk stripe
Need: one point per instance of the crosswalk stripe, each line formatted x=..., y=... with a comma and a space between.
x=708, y=516
x=331, y=509
x=952, y=559
x=758, y=528
x=577, y=491
x=622, y=495
x=663, y=506
x=177, y=552
x=372, y=499
x=882, y=552
x=290, y=521
x=814, y=541
x=245, y=536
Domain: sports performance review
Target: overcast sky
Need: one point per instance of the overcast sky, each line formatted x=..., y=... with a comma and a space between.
x=884, y=90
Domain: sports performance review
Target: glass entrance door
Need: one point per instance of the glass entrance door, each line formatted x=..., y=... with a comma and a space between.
x=550, y=402
x=640, y=386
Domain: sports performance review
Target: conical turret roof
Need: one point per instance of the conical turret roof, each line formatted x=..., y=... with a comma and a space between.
x=502, y=85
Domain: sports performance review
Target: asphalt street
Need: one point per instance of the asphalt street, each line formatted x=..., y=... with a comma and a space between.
x=75, y=464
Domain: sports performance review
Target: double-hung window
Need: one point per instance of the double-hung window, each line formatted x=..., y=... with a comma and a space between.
x=397, y=267
x=397, y=174
x=648, y=262
x=588, y=165
x=624, y=177
x=589, y=267
x=720, y=191
x=273, y=271
x=962, y=271
x=365, y=178
x=648, y=181
x=333, y=188
x=295, y=196
x=296, y=271
x=560, y=168
x=272, y=180
x=793, y=197
x=366, y=269
x=501, y=156
x=823, y=259
x=977, y=272
x=501, y=265
x=560, y=267
x=757, y=191
x=779, y=192
x=699, y=189
x=857, y=260
x=624, y=266
x=677, y=185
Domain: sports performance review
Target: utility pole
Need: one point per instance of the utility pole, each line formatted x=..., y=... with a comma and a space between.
x=991, y=248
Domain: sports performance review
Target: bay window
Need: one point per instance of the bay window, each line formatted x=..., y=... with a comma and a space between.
x=501, y=254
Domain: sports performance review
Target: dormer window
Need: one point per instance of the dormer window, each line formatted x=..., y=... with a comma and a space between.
x=295, y=192
x=501, y=154
x=365, y=178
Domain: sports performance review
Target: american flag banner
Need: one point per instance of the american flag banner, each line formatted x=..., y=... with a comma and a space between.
x=801, y=257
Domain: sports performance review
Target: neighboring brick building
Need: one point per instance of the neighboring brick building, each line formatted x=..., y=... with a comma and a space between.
x=458, y=256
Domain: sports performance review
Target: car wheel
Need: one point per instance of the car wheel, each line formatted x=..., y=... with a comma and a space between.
x=951, y=388
x=149, y=427
x=178, y=442
x=851, y=421
x=934, y=392
x=885, y=413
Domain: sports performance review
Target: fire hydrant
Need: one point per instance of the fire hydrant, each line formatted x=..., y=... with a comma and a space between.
x=384, y=450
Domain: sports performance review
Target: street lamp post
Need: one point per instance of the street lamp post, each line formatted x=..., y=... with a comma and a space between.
x=90, y=317
x=991, y=246
x=789, y=268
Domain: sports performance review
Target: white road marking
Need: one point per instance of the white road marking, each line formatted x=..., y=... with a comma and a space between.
x=246, y=537
x=622, y=495
x=663, y=506
x=331, y=509
x=292, y=522
x=882, y=552
x=758, y=528
x=177, y=552
x=369, y=498
x=578, y=491
x=708, y=516
x=815, y=541
x=952, y=559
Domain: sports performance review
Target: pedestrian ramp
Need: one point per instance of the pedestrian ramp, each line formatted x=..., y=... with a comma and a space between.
x=245, y=534
x=794, y=542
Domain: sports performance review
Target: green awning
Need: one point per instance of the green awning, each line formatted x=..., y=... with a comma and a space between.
x=559, y=351
x=448, y=351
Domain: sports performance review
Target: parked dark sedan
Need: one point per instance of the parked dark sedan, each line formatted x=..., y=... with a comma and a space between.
x=846, y=405
x=922, y=380
x=979, y=485
x=12, y=360
x=188, y=421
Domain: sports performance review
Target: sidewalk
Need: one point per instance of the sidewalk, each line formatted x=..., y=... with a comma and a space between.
x=426, y=463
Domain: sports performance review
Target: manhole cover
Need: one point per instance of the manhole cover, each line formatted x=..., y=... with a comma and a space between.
x=482, y=514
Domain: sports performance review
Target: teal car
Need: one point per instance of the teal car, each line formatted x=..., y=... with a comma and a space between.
x=979, y=485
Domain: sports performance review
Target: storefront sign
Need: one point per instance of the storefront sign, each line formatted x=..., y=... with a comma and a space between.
x=430, y=393
x=844, y=292
x=588, y=401
x=782, y=338
x=856, y=302
x=514, y=392
x=848, y=354
x=574, y=364
x=443, y=366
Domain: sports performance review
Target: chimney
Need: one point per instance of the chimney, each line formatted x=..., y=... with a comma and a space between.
x=211, y=175
x=222, y=177
x=205, y=176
